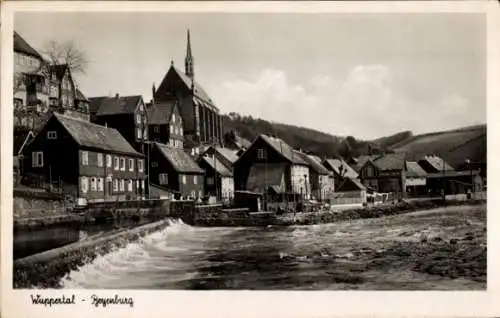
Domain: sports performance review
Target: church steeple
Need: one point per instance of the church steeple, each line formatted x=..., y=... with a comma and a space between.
x=189, y=61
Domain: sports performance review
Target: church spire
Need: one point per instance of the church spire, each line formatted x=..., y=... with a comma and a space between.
x=189, y=61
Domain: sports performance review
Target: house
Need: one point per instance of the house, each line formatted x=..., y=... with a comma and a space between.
x=234, y=141
x=357, y=163
x=321, y=180
x=165, y=124
x=90, y=162
x=386, y=174
x=175, y=170
x=434, y=164
x=219, y=180
x=127, y=114
x=340, y=170
x=200, y=116
x=225, y=155
x=416, y=179
x=271, y=162
x=350, y=191
x=454, y=182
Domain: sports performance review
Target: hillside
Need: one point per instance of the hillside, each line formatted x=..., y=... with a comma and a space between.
x=455, y=146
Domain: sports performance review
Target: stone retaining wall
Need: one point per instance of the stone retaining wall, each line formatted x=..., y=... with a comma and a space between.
x=45, y=269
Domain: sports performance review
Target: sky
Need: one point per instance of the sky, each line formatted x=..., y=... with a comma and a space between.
x=366, y=75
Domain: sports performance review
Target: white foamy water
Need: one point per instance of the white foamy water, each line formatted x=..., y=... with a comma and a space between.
x=327, y=256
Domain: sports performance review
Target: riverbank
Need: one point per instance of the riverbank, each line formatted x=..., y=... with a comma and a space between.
x=44, y=270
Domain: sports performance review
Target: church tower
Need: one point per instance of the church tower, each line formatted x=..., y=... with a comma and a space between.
x=188, y=61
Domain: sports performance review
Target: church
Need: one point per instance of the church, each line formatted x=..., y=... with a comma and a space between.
x=201, y=119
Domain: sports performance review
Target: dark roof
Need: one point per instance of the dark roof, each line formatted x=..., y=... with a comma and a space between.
x=218, y=166
x=198, y=89
x=361, y=160
x=95, y=136
x=284, y=149
x=335, y=164
x=20, y=45
x=59, y=70
x=414, y=170
x=452, y=173
x=438, y=163
x=227, y=153
x=350, y=184
x=79, y=95
x=390, y=162
x=180, y=160
x=114, y=105
x=159, y=114
x=314, y=163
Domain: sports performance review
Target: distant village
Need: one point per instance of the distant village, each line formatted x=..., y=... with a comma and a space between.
x=121, y=147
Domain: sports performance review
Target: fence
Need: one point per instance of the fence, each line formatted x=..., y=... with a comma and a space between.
x=348, y=197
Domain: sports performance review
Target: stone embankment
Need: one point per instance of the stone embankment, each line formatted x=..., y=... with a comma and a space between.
x=44, y=270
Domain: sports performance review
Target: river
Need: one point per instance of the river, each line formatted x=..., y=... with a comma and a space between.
x=328, y=256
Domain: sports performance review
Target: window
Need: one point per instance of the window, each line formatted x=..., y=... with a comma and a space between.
x=138, y=118
x=157, y=129
x=137, y=184
x=85, y=158
x=93, y=184
x=261, y=154
x=145, y=133
x=100, y=162
x=200, y=194
x=108, y=161
x=52, y=134
x=37, y=159
x=180, y=131
x=117, y=163
x=163, y=178
x=139, y=133
x=154, y=164
x=210, y=181
x=130, y=182
x=184, y=179
x=173, y=118
x=193, y=194
x=115, y=185
x=141, y=165
x=84, y=185
x=195, y=179
x=171, y=142
x=171, y=129
x=131, y=164
x=122, y=185
x=100, y=184
x=142, y=184
x=122, y=164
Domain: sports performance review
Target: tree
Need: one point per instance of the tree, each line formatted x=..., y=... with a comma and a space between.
x=67, y=53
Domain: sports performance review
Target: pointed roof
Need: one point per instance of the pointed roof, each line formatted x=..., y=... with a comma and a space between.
x=59, y=70
x=227, y=153
x=189, y=55
x=179, y=159
x=217, y=165
x=393, y=161
x=105, y=105
x=438, y=163
x=284, y=149
x=414, y=170
x=160, y=113
x=313, y=163
x=335, y=165
x=95, y=136
x=21, y=46
x=79, y=95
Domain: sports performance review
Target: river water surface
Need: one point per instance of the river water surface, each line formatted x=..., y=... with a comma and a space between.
x=327, y=256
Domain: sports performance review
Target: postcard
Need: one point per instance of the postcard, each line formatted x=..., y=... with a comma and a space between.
x=269, y=159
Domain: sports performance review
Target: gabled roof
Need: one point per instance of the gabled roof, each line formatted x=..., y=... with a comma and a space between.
x=103, y=106
x=227, y=153
x=160, y=113
x=438, y=163
x=394, y=161
x=350, y=184
x=180, y=160
x=95, y=136
x=284, y=149
x=59, y=70
x=21, y=46
x=361, y=160
x=414, y=170
x=217, y=165
x=79, y=95
x=335, y=164
x=314, y=164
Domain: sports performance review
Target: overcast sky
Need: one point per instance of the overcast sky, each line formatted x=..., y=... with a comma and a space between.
x=365, y=75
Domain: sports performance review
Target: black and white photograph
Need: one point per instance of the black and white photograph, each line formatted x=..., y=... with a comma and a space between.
x=262, y=151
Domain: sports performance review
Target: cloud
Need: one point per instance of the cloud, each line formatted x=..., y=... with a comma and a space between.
x=362, y=104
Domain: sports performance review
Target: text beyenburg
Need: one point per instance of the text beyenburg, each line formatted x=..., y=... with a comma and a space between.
x=71, y=300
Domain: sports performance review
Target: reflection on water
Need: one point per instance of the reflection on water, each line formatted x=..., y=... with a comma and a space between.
x=328, y=256
x=35, y=241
